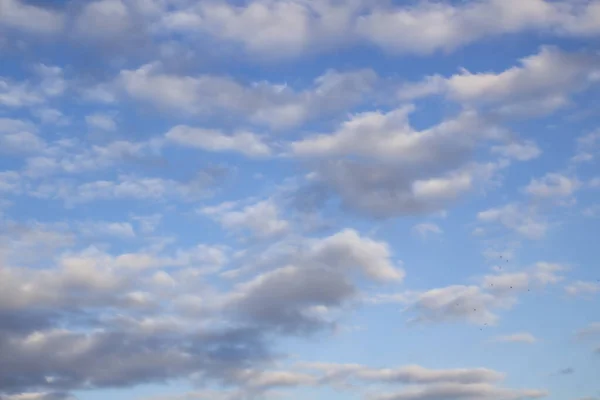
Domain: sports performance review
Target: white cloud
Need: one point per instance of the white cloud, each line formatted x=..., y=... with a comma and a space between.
x=101, y=121
x=18, y=136
x=553, y=185
x=582, y=288
x=262, y=218
x=426, y=229
x=246, y=143
x=523, y=337
x=523, y=220
x=122, y=230
x=30, y=18
x=427, y=27
x=524, y=151
x=277, y=106
x=51, y=116
x=475, y=304
x=541, y=84
x=49, y=83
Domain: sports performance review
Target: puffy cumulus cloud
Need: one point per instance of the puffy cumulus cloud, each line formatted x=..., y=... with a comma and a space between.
x=539, y=85
x=379, y=165
x=516, y=217
x=246, y=143
x=29, y=18
x=462, y=392
x=151, y=313
x=475, y=304
x=553, y=185
x=262, y=219
x=426, y=27
x=47, y=82
x=65, y=360
x=269, y=28
x=275, y=29
x=315, y=281
x=277, y=106
x=19, y=137
x=522, y=337
x=579, y=288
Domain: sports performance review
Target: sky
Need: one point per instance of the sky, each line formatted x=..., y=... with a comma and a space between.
x=299, y=199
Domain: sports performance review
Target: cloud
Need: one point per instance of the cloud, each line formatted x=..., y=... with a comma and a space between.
x=315, y=280
x=428, y=27
x=246, y=143
x=582, y=288
x=29, y=18
x=523, y=337
x=277, y=106
x=475, y=304
x=103, y=122
x=553, y=185
x=262, y=218
x=75, y=157
x=18, y=137
x=269, y=29
x=460, y=392
x=126, y=187
x=524, y=151
x=566, y=371
x=49, y=83
x=398, y=170
x=590, y=331
x=426, y=229
x=275, y=30
x=541, y=84
x=518, y=218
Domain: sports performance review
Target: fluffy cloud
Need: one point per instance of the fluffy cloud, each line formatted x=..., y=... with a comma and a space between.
x=212, y=140
x=261, y=218
x=448, y=26
x=277, y=106
x=553, y=185
x=19, y=15
x=298, y=296
x=384, y=167
x=475, y=304
x=539, y=85
x=523, y=220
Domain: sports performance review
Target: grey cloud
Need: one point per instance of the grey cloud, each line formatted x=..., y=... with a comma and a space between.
x=455, y=391
x=63, y=360
x=398, y=170
x=277, y=106
x=314, y=280
x=476, y=304
x=19, y=15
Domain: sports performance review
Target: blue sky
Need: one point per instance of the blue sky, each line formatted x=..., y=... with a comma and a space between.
x=291, y=199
